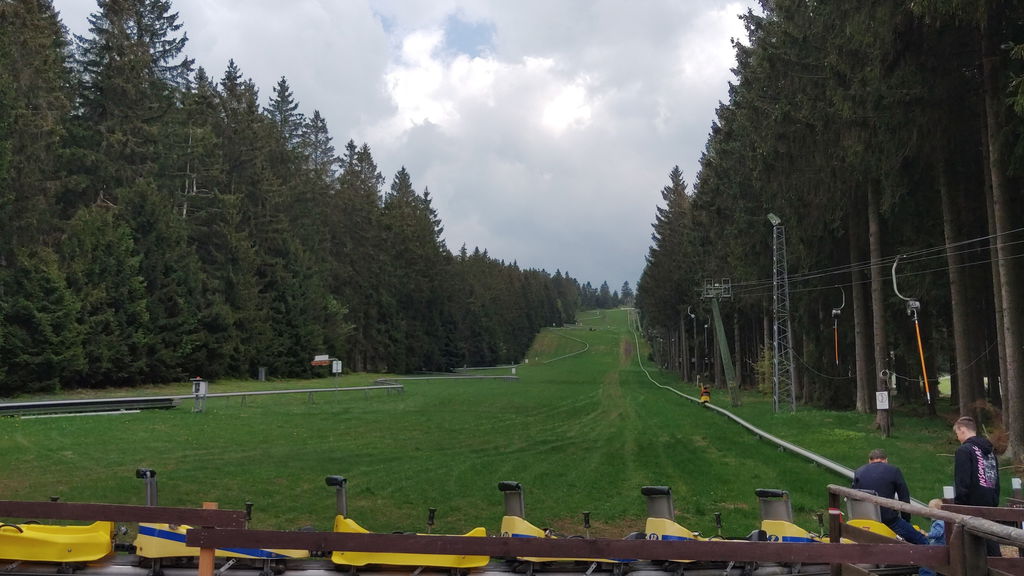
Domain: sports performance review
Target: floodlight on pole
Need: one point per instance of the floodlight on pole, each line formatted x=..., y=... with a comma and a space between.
x=775, y=220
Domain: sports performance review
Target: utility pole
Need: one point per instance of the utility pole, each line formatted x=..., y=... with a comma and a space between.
x=783, y=370
x=715, y=291
x=684, y=348
x=693, y=318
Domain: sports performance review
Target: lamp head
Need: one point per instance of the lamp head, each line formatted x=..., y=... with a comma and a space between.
x=775, y=220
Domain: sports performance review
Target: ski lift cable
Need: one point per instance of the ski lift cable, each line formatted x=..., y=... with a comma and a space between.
x=911, y=256
x=766, y=289
x=959, y=371
x=809, y=367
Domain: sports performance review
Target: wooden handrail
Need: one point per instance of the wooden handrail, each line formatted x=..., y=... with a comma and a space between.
x=987, y=512
x=973, y=524
x=122, y=513
x=811, y=553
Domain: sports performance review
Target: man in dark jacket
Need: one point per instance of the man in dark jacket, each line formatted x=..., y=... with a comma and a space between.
x=887, y=481
x=975, y=471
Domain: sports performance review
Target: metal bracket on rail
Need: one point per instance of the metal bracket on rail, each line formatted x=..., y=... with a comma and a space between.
x=224, y=568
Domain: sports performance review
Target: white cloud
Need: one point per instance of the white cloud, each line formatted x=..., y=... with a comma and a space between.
x=415, y=85
x=570, y=108
x=702, y=56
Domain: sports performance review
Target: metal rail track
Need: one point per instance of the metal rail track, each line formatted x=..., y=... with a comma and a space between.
x=783, y=445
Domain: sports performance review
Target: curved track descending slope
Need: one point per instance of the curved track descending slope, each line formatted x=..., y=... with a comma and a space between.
x=586, y=346
x=782, y=444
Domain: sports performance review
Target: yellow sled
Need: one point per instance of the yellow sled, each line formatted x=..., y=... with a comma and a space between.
x=343, y=524
x=515, y=526
x=873, y=526
x=157, y=540
x=350, y=558
x=168, y=541
x=777, y=518
x=868, y=516
x=661, y=524
x=49, y=543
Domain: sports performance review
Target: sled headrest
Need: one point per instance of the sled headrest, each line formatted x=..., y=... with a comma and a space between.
x=656, y=491
x=775, y=504
x=659, y=502
x=339, y=481
x=510, y=486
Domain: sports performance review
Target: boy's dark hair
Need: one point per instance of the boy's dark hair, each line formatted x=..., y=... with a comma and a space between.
x=967, y=423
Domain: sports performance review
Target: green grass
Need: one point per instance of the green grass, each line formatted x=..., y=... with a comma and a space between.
x=584, y=432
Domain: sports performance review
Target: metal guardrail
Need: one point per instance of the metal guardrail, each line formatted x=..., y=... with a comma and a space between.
x=395, y=381
x=88, y=405
x=91, y=405
x=397, y=387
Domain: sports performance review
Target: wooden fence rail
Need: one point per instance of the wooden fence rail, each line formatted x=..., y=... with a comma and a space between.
x=965, y=534
x=964, y=555
x=122, y=513
x=625, y=550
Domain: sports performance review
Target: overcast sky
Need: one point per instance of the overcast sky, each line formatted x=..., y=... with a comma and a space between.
x=545, y=130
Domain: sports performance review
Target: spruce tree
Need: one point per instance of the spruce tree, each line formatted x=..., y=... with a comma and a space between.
x=34, y=109
x=283, y=112
x=170, y=270
x=40, y=332
x=131, y=69
x=102, y=270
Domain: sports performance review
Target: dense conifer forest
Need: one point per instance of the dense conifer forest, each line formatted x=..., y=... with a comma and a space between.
x=159, y=221
x=873, y=130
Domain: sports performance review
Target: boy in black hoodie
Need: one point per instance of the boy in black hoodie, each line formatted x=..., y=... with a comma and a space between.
x=975, y=470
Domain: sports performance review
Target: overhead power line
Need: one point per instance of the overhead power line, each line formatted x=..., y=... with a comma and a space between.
x=909, y=257
x=762, y=288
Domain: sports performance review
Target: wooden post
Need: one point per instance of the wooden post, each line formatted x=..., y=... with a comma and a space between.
x=835, y=526
x=206, y=554
x=967, y=553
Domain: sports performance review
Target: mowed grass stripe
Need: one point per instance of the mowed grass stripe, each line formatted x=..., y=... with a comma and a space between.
x=584, y=432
